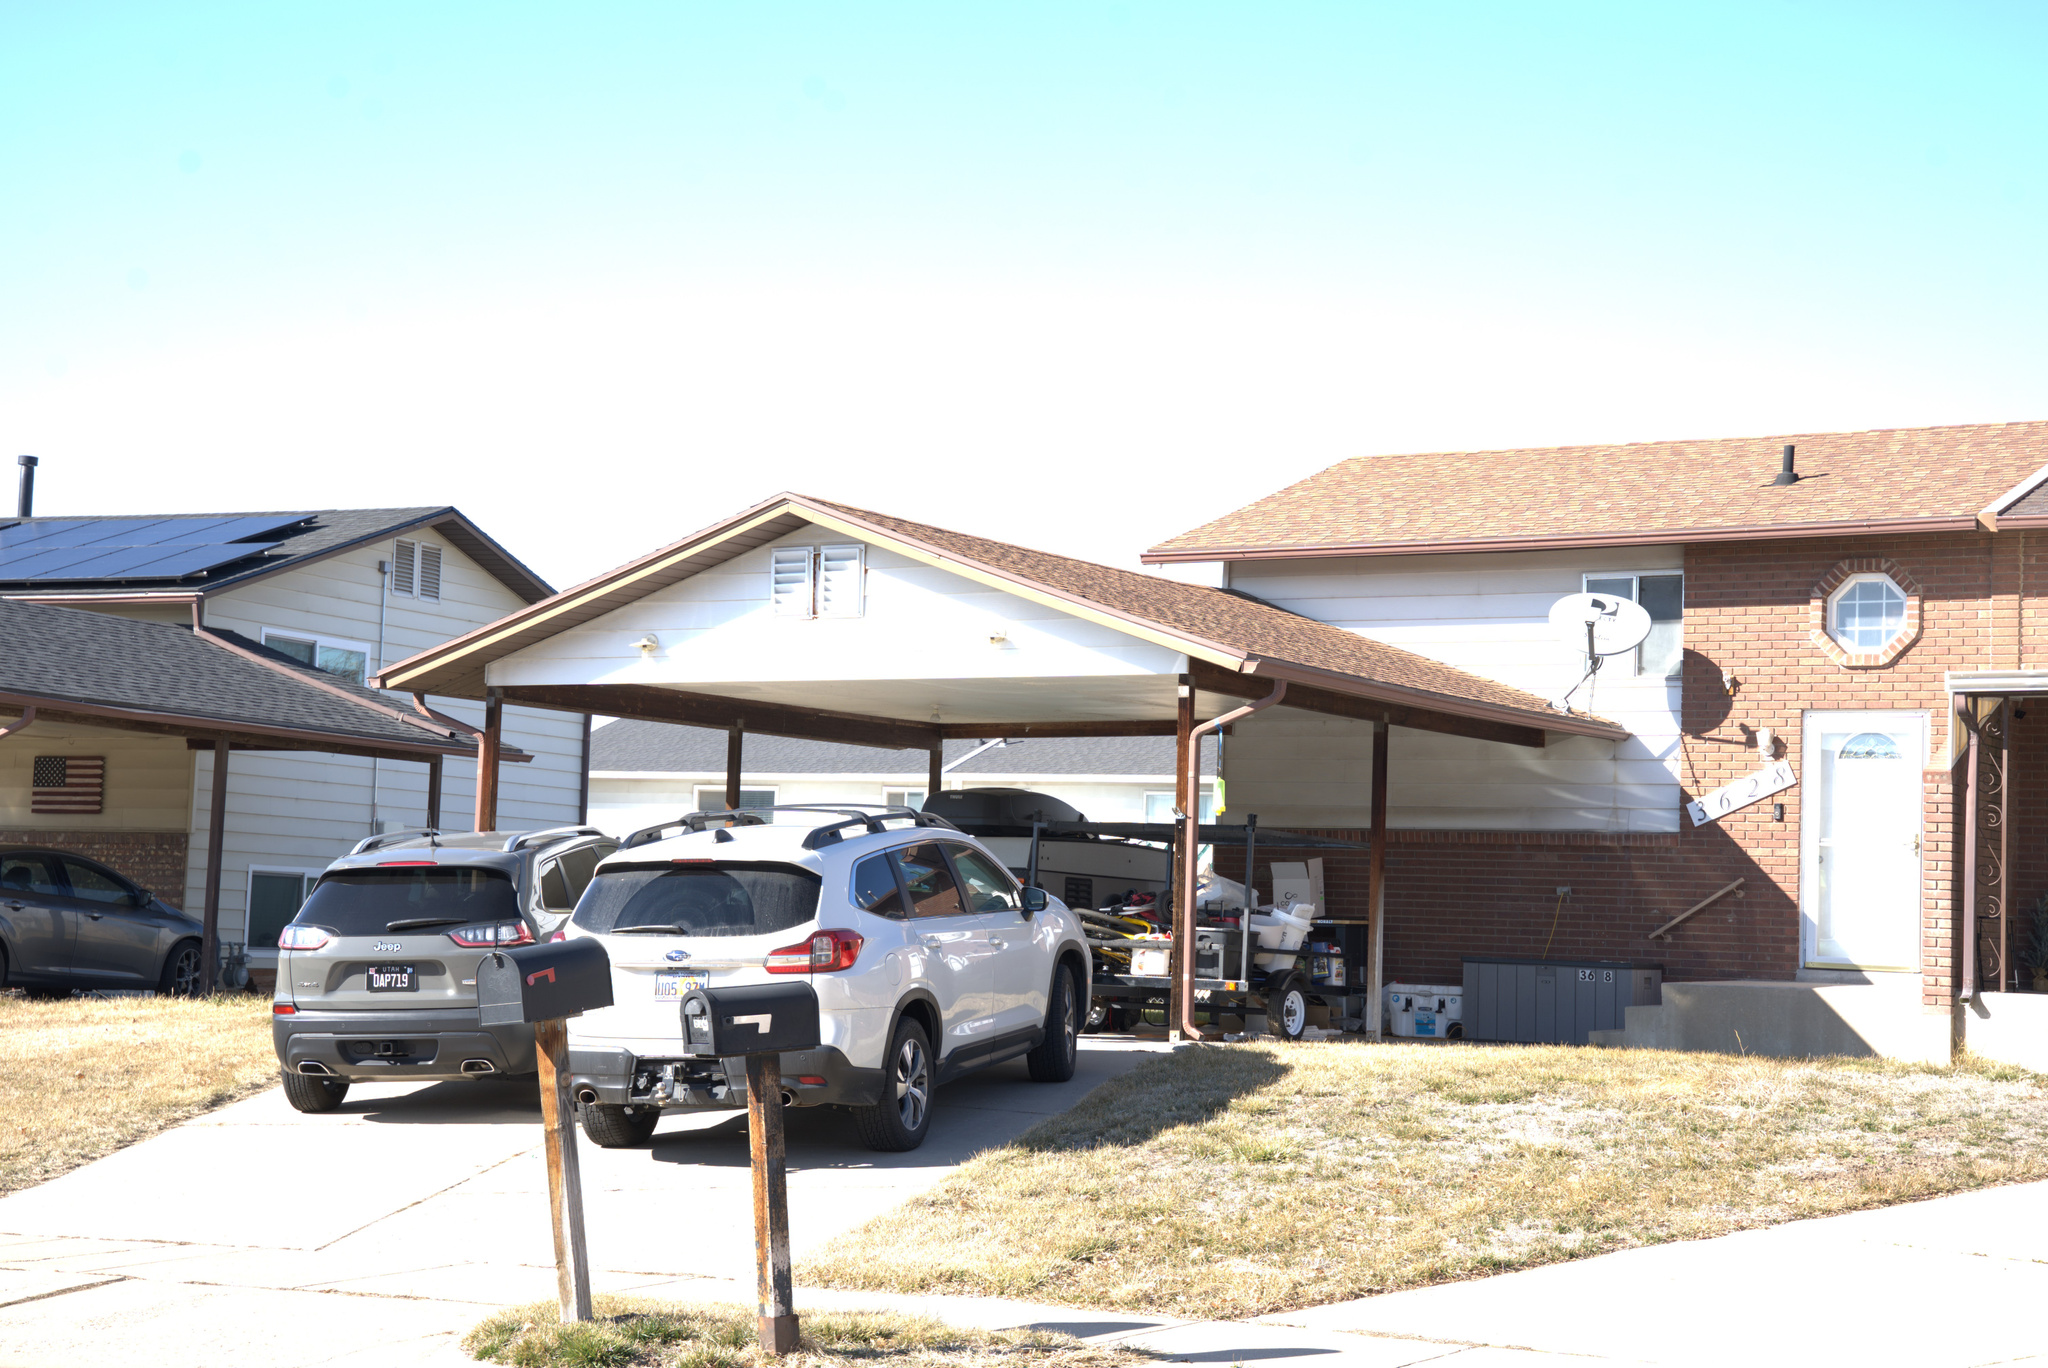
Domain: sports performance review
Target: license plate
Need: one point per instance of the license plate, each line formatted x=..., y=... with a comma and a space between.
x=673, y=983
x=393, y=978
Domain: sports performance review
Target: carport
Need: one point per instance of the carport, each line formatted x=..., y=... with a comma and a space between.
x=804, y=618
x=219, y=690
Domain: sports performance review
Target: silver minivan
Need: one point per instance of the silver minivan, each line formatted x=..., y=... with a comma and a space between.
x=376, y=975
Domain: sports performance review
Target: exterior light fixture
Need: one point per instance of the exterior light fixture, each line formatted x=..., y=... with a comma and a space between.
x=648, y=644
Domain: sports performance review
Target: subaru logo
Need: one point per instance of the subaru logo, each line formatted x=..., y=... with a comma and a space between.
x=677, y=956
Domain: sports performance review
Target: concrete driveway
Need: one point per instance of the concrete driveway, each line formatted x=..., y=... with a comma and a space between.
x=228, y=1239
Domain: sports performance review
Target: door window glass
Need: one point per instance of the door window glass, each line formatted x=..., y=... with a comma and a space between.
x=90, y=883
x=28, y=874
x=554, y=888
x=874, y=887
x=579, y=865
x=932, y=890
x=988, y=888
x=274, y=899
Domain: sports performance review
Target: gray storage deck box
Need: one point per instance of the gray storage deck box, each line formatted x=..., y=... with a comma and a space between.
x=1554, y=1002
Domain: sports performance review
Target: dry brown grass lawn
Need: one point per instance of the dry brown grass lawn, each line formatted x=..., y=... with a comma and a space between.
x=81, y=1077
x=637, y=1331
x=1229, y=1180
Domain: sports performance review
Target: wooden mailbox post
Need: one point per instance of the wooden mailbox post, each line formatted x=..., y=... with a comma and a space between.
x=545, y=985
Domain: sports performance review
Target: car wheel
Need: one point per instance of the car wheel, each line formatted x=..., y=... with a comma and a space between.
x=1053, y=1060
x=899, y=1121
x=312, y=1093
x=1287, y=1010
x=613, y=1127
x=181, y=974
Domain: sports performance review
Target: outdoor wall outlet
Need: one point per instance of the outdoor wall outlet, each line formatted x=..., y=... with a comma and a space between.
x=1564, y=890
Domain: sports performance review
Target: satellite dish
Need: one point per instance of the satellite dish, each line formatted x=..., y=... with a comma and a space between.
x=1599, y=624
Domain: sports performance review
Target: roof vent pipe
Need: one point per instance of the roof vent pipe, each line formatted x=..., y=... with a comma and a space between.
x=25, y=503
x=1786, y=475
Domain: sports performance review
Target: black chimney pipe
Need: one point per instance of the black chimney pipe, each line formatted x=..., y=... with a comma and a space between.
x=25, y=504
x=1787, y=475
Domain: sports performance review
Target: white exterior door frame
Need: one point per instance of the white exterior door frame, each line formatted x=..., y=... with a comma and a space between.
x=1909, y=728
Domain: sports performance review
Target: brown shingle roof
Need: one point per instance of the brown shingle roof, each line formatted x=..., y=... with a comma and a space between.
x=1889, y=480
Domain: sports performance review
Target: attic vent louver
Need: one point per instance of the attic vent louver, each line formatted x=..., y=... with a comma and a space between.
x=430, y=571
x=401, y=567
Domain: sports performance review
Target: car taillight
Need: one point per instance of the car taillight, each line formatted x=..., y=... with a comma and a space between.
x=283, y=1009
x=562, y=934
x=296, y=937
x=822, y=953
x=485, y=935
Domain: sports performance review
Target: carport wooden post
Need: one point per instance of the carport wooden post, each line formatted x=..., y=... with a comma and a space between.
x=1376, y=876
x=216, y=841
x=565, y=1175
x=935, y=774
x=487, y=747
x=434, y=794
x=775, y=1295
x=735, y=745
x=1183, y=923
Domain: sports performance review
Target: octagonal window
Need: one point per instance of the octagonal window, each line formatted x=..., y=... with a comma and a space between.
x=1867, y=613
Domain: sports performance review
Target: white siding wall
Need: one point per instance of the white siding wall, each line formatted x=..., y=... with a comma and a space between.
x=621, y=805
x=299, y=810
x=1487, y=614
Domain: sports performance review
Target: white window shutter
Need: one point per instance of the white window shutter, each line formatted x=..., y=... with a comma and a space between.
x=789, y=578
x=840, y=580
x=430, y=571
x=401, y=567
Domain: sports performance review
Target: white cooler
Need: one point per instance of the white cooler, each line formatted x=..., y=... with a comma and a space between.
x=1425, y=1010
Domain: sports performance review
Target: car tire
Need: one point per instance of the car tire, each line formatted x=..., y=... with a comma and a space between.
x=613, y=1127
x=180, y=977
x=1287, y=1009
x=900, y=1120
x=1053, y=1061
x=311, y=1093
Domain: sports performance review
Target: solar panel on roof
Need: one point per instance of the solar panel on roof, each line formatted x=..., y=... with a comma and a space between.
x=133, y=548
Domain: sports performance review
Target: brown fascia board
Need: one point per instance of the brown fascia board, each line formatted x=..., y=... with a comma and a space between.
x=1670, y=537
x=252, y=734
x=174, y=598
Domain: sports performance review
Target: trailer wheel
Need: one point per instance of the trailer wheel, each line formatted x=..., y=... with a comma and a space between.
x=1287, y=1009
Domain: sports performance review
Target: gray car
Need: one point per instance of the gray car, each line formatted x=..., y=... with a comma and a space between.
x=376, y=976
x=67, y=922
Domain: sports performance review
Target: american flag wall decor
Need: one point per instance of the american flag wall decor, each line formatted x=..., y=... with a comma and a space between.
x=69, y=784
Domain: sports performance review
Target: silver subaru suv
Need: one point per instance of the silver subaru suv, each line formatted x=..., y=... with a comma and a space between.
x=376, y=976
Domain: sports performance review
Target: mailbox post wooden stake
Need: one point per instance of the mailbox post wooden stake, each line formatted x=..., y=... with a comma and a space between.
x=777, y=1311
x=565, y=1176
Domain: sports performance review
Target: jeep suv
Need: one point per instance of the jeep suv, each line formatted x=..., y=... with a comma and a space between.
x=376, y=976
x=928, y=958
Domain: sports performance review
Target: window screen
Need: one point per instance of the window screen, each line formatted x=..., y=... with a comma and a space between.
x=932, y=890
x=274, y=899
x=700, y=900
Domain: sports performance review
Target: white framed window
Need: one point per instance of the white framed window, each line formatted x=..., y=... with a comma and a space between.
x=275, y=896
x=1867, y=613
x=910, y=798
x=817, y=581
x=1662, y=595
x=416, y=569
x=1159, y=806
x=341, y=658
x=711, y=797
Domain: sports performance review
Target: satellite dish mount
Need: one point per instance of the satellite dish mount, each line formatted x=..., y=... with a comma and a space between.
x=1602, y=625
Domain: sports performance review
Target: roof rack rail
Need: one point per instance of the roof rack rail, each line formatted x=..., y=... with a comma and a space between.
x=385, y=838
x=872, y=818
x=561, y=833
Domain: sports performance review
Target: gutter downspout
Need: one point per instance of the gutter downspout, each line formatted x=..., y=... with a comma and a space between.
x=1191, y=835
x=28, y=716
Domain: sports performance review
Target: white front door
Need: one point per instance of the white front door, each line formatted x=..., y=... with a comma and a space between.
x=1860, y=839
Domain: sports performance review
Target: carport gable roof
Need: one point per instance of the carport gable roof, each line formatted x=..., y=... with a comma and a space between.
x=1235, y=644
x=103, y=670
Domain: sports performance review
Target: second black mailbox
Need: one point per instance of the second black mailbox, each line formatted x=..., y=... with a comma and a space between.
x=542, y=982
x=762, y=1018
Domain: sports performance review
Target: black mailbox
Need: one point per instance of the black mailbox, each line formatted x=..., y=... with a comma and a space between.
x=763, y=1018
x=542, y=982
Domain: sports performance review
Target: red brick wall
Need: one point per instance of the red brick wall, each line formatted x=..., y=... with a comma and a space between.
x=154, y=859
x=1747, y=614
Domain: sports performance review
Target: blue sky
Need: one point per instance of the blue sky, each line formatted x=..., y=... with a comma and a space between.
x=1080, y=276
